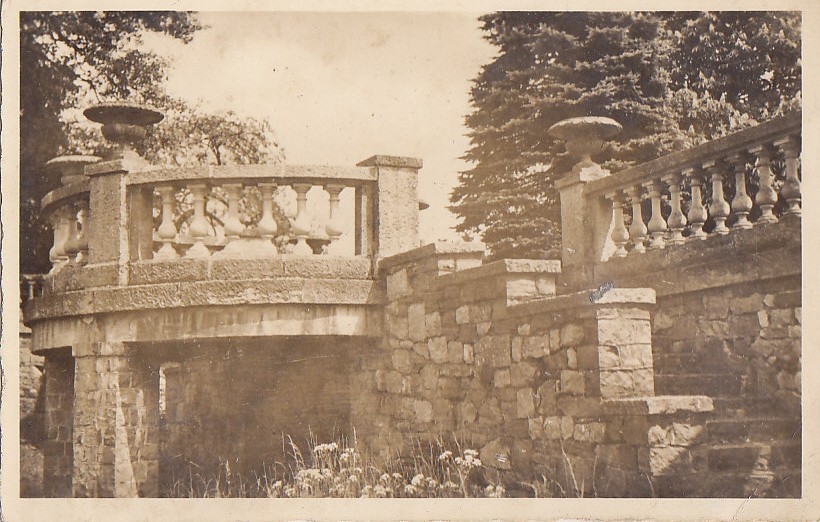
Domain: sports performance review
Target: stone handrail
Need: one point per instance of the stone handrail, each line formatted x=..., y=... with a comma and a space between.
x=704, y=191
x=738, y=142
x=316, y=174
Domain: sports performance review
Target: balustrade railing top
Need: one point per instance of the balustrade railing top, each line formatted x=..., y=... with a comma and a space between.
x=736, y=182
x=316, y=174
x=738, y=142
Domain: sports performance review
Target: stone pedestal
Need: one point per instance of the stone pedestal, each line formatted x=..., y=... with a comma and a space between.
x=116, y=423
x=395, y=204
x=584, y=138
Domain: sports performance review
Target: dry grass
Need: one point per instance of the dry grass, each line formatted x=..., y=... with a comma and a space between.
x=339, y=469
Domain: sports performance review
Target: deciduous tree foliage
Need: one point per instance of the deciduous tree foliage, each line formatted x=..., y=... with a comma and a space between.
x=671, y=79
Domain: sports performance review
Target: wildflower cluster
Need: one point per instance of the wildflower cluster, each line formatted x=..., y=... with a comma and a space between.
x=333, y=470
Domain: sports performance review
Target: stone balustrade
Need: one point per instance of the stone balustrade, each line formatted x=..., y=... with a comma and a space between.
x=227, y=235
x=746, y=179
x=115, y=213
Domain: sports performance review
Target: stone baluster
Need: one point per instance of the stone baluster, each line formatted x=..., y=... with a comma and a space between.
x=677, y=220
x=766, y=196
x=741, y=203
x=657, y=225
x=620, y=236
x=267, y=224
x=232, y=226
x=71, y=245
x=334, y=228
x=697, y=212
x=82, y=231
x=31, y=286
x=637, y=230
x=301, y=225
x=198, y=228
x=60, y=223
x=719, y=209
x=791, y=190
x=167, y=230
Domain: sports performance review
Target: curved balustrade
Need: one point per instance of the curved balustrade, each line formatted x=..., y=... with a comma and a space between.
x=66, y=210
x=748, y=178
x=228, y=235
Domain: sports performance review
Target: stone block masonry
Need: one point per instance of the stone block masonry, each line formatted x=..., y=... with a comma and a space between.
x=116, y=415
x=58, y=453
x=543, y=383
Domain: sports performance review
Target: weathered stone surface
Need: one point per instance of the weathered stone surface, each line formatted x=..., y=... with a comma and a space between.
x=416, y=322
x=522, y=373
x=449, y=388
x=659, y=405
x=455, y=352
x=546, y=398
x=463, y=314
x=525, y=403
x=494, y=351
x=483, y=328
x=495, y=454
x=567, y=427
x=397, y=285
x=589, y=432
x=432, y=322
x=423, y=411
x=469, y=356
x=501, y=378
x=580, y=406
x=517, y=348
x=573, y=382
x=397, y=326
x=467, y=413
x=429, y=376
x=747, y=304
x=437, y=347
x=620, y=332
x=552, y=428
x=536, y=346
x=781, y=317
x=402, y=361
x=571, y=335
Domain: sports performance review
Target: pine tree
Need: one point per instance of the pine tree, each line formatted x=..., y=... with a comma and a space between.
x=671, y=79
x=553, y=66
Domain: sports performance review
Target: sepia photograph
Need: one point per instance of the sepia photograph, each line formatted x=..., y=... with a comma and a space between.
x=347, y=254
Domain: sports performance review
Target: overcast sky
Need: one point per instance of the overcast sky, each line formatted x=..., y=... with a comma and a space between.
x=340, y=87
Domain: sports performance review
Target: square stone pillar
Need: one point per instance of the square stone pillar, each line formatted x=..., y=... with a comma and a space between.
x=116, y=422
x=625, y=367
x=58, y=452
x=584, y=222
x=395, y=204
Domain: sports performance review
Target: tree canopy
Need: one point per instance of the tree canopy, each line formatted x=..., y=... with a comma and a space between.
x=671, y=79
x=69, y=60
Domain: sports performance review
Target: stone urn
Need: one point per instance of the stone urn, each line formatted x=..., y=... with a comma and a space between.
x=585, y=136
x=70, y=168
x=124, y=124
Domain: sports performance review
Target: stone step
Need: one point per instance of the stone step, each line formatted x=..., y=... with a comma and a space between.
x=764, y=430
x=741, y=407
x=783, y=483
x=755, y=456
x=689, y=362
x=711, y=384
x=736, y=407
